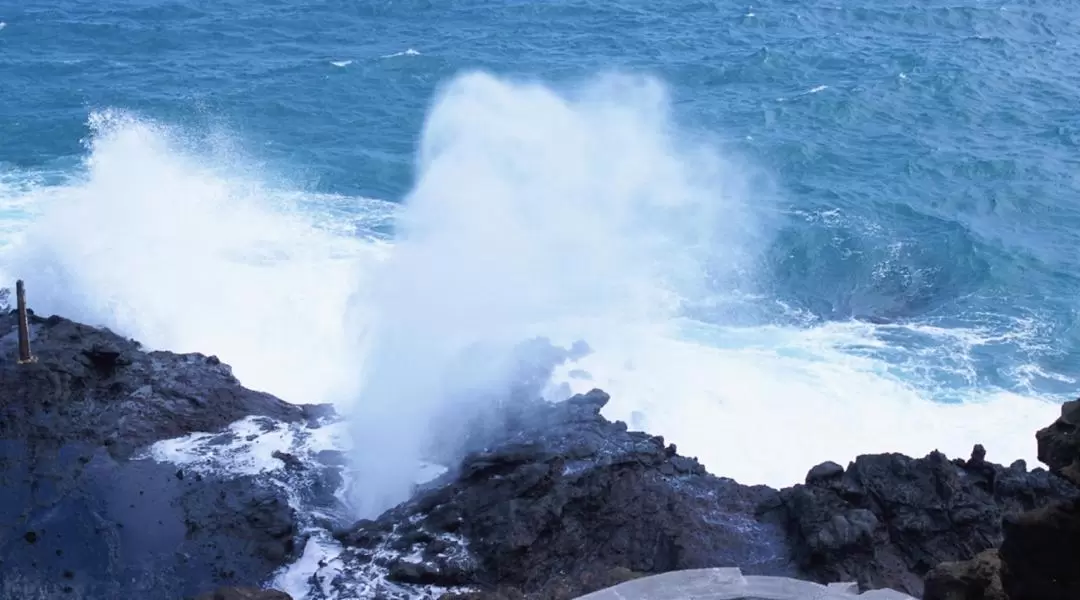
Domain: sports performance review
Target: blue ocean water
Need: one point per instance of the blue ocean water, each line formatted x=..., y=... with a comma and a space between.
x=858, y=224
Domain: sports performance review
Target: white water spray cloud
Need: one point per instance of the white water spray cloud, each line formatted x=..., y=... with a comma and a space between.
x=533, y=213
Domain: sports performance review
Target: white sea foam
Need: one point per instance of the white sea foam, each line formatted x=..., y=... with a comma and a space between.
x=341, y=63
x=295, y=579
x=765, y=412
x=407, y=52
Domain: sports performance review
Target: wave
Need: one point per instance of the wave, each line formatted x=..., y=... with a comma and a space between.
x=406, y=52
x=188, y=251
x=585, y=213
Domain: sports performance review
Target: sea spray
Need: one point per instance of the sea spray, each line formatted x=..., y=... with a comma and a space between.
x=534, y=213
x=167, y=236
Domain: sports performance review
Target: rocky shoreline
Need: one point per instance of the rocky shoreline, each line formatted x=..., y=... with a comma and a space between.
x=557, y=503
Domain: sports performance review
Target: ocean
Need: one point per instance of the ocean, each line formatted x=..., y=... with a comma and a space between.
x=788, y=231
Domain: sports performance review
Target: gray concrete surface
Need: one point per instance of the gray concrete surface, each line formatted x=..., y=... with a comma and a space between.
x=731, y=584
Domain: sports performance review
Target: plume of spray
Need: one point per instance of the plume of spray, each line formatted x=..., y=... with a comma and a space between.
x=534, y=213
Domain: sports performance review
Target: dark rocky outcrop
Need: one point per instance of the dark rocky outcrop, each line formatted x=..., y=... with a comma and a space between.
x=1059, y=444
x=82, y=515
x=888, y=519
x=1039, y=558
x=1041, y=552
x=566, y=503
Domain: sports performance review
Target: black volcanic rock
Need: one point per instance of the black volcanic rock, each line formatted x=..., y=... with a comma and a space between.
x=888, y=519
x=1059, y=443
x=92, y=386
x=1039, y=558
x=975, y=579
x=1041, y=553
x=557, y=506
x=82, y=516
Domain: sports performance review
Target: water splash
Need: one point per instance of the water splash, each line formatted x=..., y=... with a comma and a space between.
x=534, y=213
x=186, y=250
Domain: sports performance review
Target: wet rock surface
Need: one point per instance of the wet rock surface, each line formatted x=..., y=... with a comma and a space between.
x=82, y=515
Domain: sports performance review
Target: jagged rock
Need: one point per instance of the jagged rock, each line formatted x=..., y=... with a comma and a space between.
x=244, y=593
x=1041, y=553
x=1059, y=444
x=888, y=519
x=1038, y=558
x=564, y=504
x=975, y=579
x=82, y=515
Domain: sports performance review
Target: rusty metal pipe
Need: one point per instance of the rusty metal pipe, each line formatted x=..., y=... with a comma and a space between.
x=24, y=327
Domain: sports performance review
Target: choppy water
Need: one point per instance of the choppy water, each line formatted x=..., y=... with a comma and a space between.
x=790, y=231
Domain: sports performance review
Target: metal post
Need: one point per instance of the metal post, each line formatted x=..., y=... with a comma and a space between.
x=24, y=328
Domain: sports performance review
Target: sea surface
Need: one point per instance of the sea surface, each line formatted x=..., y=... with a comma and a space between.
x=789, y=231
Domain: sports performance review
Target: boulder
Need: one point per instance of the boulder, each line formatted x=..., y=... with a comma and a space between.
x=1059, y=443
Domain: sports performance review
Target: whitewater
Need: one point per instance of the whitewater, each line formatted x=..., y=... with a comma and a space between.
x=578, y=213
